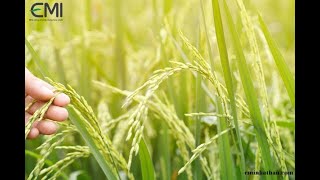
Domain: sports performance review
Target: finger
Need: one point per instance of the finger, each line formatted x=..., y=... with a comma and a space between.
x=34, y=132
x=35, y=124
x=27, y=100
x=61, y=100
x=36, y=88
x=55, y=113
x=26, y=117
x=47, y=127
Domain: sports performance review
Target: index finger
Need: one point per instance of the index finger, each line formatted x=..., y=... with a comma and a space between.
x=36, y=88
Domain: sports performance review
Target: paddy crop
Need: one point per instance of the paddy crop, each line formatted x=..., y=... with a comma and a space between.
x=193, y=89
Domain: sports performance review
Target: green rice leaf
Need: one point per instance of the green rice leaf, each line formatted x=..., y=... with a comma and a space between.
x=227, y=75
x=226, y=163
x=282, y=66
x=147, y=169
x=286, y=124
x=78, y=122
x=40, y=66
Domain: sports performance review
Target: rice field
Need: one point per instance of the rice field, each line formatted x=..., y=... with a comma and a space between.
x=164, y=89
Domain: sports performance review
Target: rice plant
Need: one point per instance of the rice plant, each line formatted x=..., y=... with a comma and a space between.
x=166, y=89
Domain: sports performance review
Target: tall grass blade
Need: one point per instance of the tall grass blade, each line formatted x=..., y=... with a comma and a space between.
x=271, y=128
x=200, y=107
x=282, y=66
x=147, y=169
x=227, y=76
x=251, y=96
x=78, y=122
x=207, y=35
x=85, y=73
x=227, y=166
x=164, y=147
x=41, y=67
x=120, y=64
x=60, y=67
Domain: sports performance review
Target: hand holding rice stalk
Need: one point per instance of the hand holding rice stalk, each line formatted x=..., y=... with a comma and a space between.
x=42, y=107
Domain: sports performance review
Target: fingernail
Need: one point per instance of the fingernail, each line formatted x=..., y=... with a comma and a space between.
x=45, y=90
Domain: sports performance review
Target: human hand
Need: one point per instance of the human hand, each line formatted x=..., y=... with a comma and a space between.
x=41, y=91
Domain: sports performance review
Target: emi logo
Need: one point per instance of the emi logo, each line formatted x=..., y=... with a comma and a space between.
x=45, y=11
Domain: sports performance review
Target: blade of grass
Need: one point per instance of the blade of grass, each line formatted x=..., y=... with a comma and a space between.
x=37, y=156
x=200, y=107
x=272, y=131
x=155, y=15
x=85, y=73
x=41, y=67
x=248, y=152
x=147, y=169
x=59, y=64
x=227, y=76
x=251, y=97
x=87, y=14
x=77, y=121
x=60, y=67
x=226, y=164
x=120, y=60
x=164, y=150
x=207, y=35
x=283, y=68
x=286, y=124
